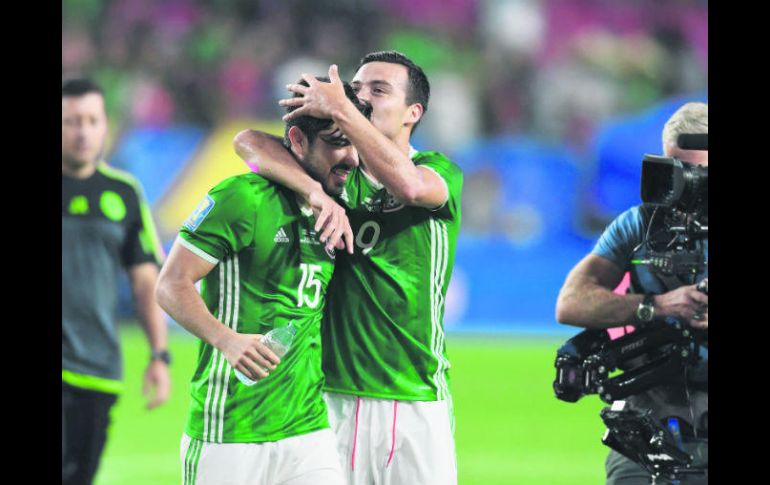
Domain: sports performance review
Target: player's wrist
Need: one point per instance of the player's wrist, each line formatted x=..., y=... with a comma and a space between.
x=221, y=338
x=161, y=355
x=312, y=190
x=343, y=113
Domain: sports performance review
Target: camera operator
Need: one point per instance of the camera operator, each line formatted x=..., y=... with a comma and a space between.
x=587, y=300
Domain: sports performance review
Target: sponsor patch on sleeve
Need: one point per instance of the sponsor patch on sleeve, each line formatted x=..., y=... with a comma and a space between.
x=200, y=213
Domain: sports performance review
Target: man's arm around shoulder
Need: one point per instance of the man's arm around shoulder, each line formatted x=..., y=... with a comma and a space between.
x=265, y=154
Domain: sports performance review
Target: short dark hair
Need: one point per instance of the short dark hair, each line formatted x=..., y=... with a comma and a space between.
x=311, y=126
x=79, y=87
x=418, y=90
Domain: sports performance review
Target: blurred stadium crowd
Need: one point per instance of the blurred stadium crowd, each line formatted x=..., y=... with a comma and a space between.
x=547, y=105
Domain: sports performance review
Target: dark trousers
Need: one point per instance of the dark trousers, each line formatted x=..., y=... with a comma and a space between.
x=85, y=415
x=624, y=471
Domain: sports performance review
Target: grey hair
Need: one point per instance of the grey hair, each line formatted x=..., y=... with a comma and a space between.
x=690, y=118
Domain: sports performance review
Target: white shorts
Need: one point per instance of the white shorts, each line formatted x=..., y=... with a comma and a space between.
x=387, y=442
x=309, y=459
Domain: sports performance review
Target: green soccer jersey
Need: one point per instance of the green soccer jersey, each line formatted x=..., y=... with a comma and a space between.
x=383, y=334
x=270, y=269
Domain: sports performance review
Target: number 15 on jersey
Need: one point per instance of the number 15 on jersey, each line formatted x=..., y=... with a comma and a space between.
x=306, y=285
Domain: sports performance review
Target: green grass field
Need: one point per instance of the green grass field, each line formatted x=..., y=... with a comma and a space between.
x=510, y=429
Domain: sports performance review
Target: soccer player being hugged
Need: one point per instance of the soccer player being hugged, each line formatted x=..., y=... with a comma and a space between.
x=384, y=353
x=254, y=246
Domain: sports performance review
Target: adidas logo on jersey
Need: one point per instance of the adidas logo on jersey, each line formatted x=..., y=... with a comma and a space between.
x=281, y=237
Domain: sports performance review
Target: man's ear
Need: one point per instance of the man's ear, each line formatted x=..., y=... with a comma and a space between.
x=298, y=141
x=414, y=113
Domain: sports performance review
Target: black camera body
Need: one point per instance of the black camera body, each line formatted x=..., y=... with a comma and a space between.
x=670, y=182
x=680, y=189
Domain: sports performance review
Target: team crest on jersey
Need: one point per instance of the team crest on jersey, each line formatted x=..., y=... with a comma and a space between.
x=382, y=202
x=112, y=206
x=281, y=237
x=200, y=213
x=391, y=204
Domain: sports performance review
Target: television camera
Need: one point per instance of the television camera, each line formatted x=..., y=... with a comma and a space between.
x=658, y=352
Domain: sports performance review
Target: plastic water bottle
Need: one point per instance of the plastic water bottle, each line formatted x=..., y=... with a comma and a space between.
x=279, y=341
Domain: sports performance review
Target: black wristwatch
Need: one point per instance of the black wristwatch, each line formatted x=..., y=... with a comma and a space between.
x=161, y=355
x=646, y=310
